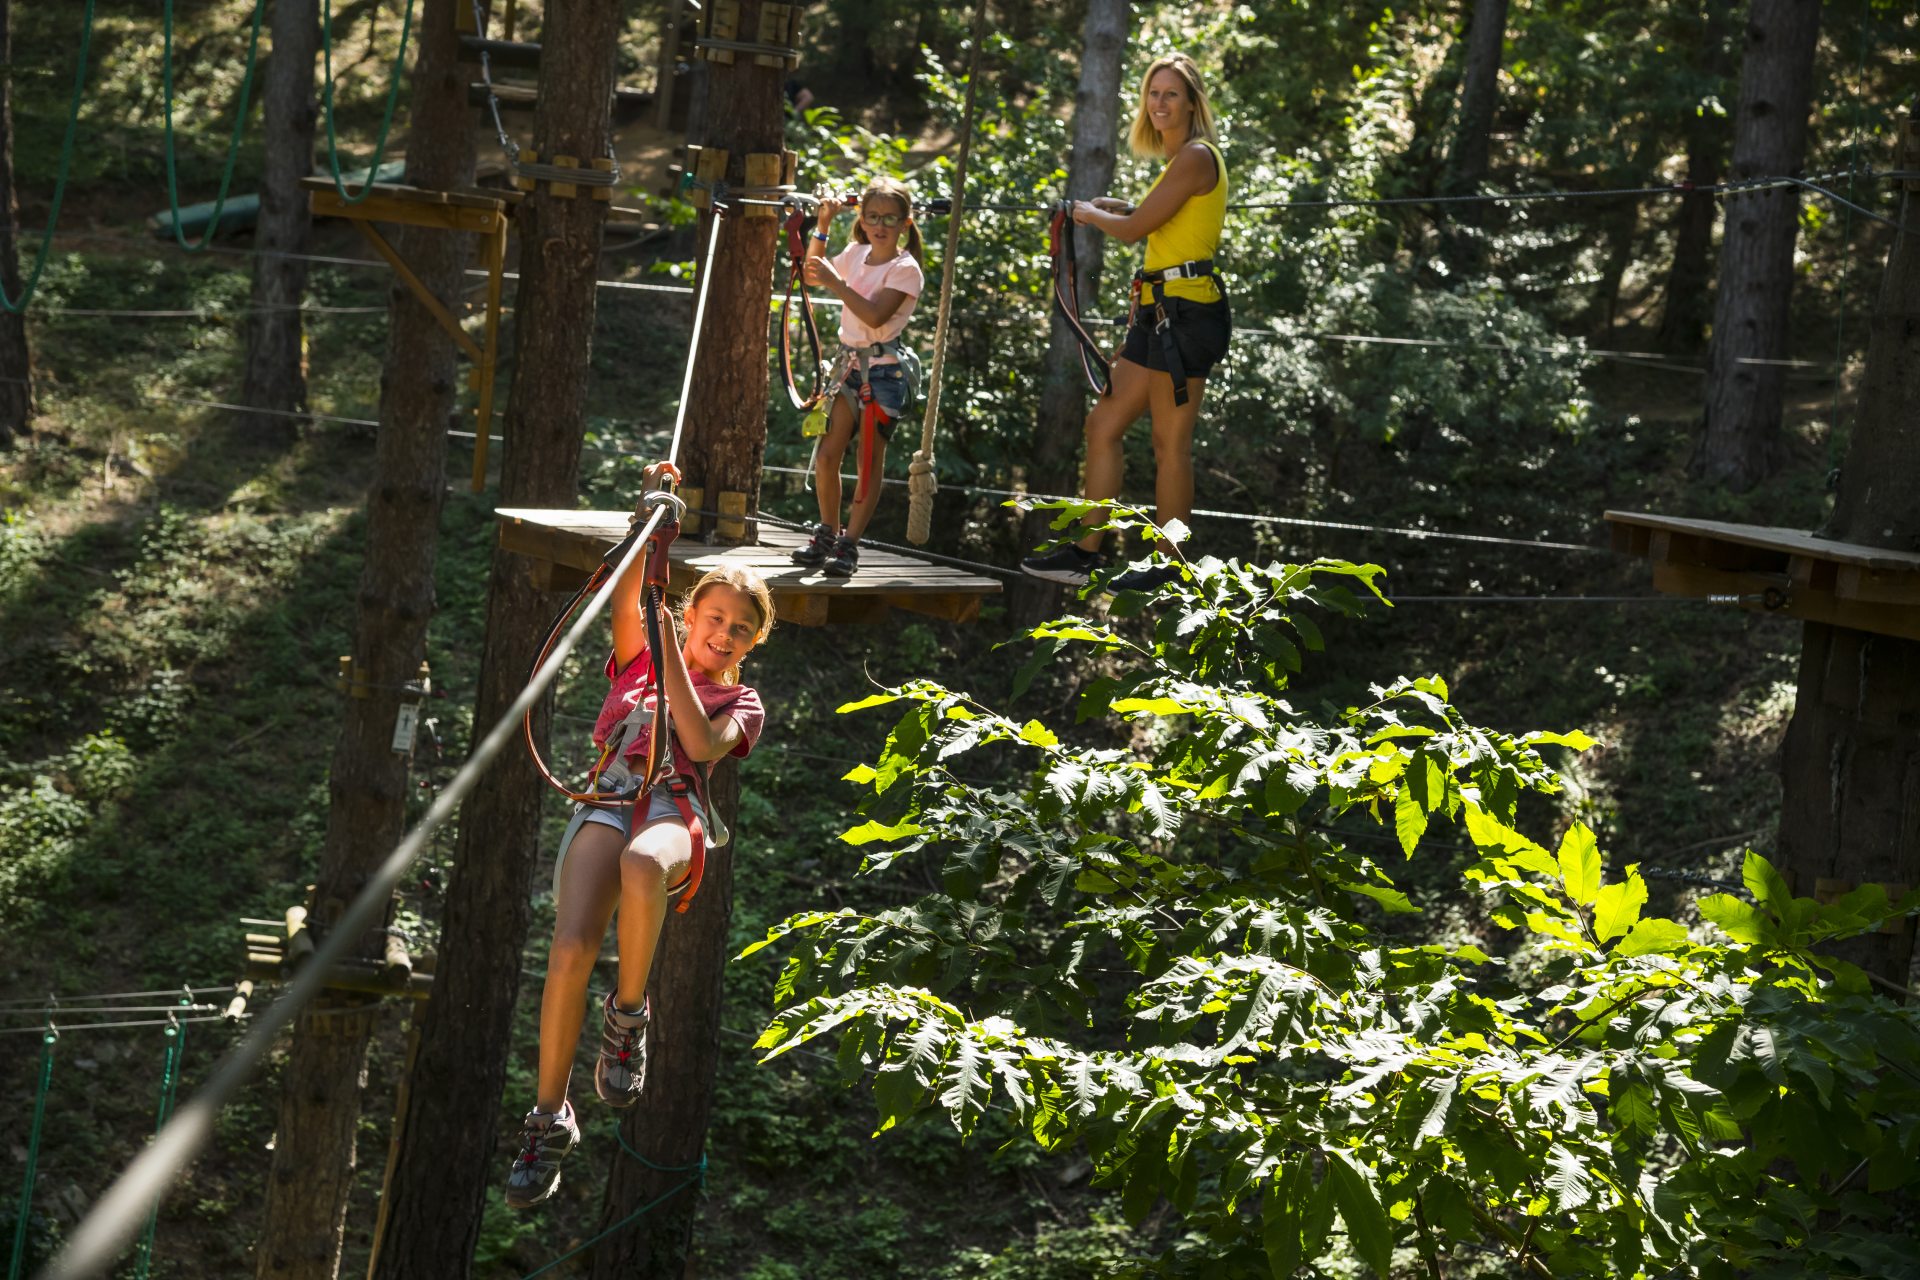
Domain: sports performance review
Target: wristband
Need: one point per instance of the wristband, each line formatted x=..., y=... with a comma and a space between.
x=820, y=236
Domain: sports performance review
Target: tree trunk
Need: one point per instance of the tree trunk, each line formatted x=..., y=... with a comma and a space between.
x=1851, y=763
x=1751, y=310
x=448, y=1162
x=1057, y=431
x=314, y=1152
x=1468, y=159
x=725, y=439
x=16, y=358
x=1683, y=318
x=276, y=376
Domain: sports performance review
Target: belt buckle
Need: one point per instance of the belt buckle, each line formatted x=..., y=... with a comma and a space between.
x=678, y=785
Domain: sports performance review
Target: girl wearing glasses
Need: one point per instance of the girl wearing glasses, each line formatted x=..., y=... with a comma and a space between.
x=1179, y=325
x=878, y=278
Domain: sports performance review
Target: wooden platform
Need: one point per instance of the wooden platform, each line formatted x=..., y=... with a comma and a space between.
x=568, y=545
x=1778, y=570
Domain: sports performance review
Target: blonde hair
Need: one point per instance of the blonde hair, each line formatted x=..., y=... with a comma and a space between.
x=893, y=189
x=747, y=583
x=1143, y=139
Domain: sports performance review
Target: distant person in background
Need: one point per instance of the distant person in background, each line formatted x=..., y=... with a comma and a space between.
x=1179, y=323
x=799, y=97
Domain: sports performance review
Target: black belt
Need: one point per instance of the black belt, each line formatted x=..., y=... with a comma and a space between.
x=1198, y=269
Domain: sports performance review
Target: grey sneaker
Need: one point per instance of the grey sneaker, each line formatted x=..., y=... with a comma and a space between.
x=845, y=559
x=815, y=553
x=544, y=1139
x=1149, y=579
x=1068, y=564
x=620, y=1072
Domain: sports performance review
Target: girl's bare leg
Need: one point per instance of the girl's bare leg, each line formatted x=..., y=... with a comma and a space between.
x=1107, y=425
x=658, y=858
x=863, y=510
x=589, y=890
x=827, y=459
x=1173, y=449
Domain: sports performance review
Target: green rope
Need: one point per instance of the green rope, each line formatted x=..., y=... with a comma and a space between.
x=60, y=180
x=169, y=1085
x=386, y=121
x=697, y=1170
x=233, y=143
x=33, y=1136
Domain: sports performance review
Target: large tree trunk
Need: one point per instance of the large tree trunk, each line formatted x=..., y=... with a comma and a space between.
x=314, y=1152
x=276, y=375
x=16, y=359
x=725, y=439
x=1057, y=433
x=1479, y=97
x=1751, y=310
x=1684, y=315
x=1851, y=763
x=448, y=1160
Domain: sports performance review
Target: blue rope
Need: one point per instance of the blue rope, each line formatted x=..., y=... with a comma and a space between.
x=698, y=1171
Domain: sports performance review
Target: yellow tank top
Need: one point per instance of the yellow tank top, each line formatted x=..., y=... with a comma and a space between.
x=1191, y=234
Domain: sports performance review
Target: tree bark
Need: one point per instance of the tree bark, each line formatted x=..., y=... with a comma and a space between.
x=1851, y=763
x=448, y=1161
x=16, y=358
x=724, y=442
x=1742, y=443
x=1684, y=316
x=1057, y=432
x=314, y=1153
x=276, y=377
x=1472, y=149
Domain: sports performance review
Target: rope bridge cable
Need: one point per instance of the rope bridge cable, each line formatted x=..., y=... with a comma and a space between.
x=696, y=1173
x=111, y=1222
x=49, y=1037
x=386, y=119
x=233, y=142
x=197, y=988
x=67, y=1027
x=922, y=483
x=17, y=305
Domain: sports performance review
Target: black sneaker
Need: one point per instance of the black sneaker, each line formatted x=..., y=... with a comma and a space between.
x=845, y=558
x=536, y=1166
x=1068, y=564
x=1150, y=579
x=620, y=1070
x=815, y=553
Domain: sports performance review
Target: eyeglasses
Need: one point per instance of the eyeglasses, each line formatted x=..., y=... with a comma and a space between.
x=883, y=219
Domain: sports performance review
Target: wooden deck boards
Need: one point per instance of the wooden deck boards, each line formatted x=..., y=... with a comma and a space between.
x=1788, y=571
x=568, y=545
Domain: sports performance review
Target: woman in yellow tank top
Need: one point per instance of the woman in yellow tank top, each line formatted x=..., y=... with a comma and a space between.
x=1180, y=322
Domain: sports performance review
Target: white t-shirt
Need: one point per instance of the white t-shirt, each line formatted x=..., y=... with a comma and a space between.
x=898, y=272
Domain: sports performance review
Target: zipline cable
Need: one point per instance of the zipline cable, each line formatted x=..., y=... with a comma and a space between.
x=17, y=305
x=386, y=120
x=233, y=143
x=108, y=1226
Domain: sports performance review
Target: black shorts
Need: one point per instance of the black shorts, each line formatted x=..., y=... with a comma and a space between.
x=1201, y=329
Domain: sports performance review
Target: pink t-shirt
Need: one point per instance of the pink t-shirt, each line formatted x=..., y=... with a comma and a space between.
x=635, y=687
x=867, y=279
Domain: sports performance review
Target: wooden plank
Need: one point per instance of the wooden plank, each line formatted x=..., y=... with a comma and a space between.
x=1851, y=582
x=1789, y=541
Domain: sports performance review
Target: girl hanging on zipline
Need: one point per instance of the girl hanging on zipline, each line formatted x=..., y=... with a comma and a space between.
x=878, y=278
x=614, y=858
x=1179, y=322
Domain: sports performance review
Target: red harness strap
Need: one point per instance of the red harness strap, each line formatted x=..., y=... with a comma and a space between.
x=871, y=416
x=683, y=789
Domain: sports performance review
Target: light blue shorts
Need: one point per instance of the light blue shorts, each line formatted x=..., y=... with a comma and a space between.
x=659, y=805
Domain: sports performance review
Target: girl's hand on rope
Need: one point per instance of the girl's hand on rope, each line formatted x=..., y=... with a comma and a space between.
x=826, y=211
x=650, y=481
x=821, y=273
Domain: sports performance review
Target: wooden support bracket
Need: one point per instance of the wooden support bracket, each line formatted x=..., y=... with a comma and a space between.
x=780, y=25
x=765, y=169
x=723, y=23
x=350, y=682
x=710, y=166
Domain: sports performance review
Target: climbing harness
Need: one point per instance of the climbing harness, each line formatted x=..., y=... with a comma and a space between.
x=797, y=234
x=1149, y=290
x=872, y=416
x=1066, y=298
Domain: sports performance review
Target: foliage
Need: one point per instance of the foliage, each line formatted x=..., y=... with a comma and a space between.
x=1171, y=955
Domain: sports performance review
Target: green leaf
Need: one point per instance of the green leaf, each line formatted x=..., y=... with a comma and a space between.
x=1575, y=739
x=1409, y=820
x=1282, y=1210
x=1764, y=883
x=1650, y=936
x=1580, y=864
x=860, y=774
x=1152, y=706
x=1736, y=919
x=1632, y=1108
x=1395, y=902
x=1489, y=832
x=1368, y=1226
x=1569, y=1185
x=1617, y=906
x=868, y=832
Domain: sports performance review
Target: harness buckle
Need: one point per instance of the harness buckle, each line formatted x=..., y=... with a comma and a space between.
x=678, y=785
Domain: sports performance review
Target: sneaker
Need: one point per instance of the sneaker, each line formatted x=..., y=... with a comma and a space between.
x=1149, y=579
x=1068, y=564
x=846, y=558
x=620, y=1071
x=815, y=553
x=544, y=1139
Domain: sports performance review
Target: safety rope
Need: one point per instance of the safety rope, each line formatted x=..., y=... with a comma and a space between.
x=233, y=142
x=169, y=1082
x=697, y=1172
x=386, y=119
x=48, y=1037
x=921, y=481
x=17, y=305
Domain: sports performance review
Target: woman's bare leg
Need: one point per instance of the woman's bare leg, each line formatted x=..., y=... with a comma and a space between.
x=589, y=890
x=1173, y=449
x=1107, y=425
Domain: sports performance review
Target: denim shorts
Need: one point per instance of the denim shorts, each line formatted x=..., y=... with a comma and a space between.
x=659, y=805
x=889, y=392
